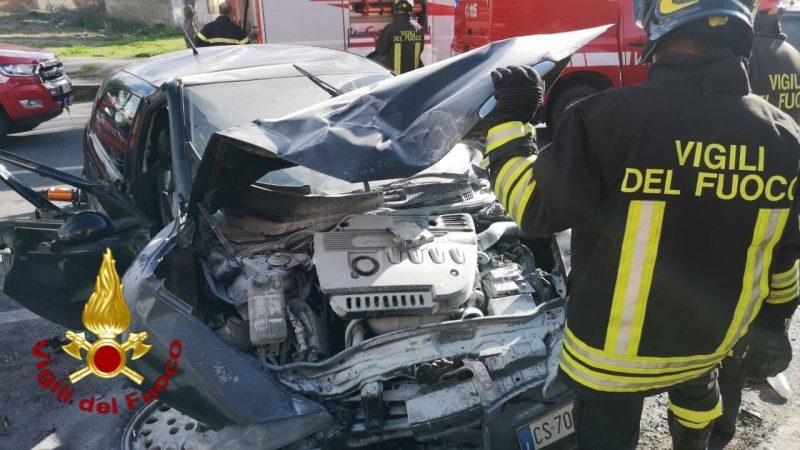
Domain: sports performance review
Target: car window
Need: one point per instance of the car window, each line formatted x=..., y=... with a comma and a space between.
x=114, y=116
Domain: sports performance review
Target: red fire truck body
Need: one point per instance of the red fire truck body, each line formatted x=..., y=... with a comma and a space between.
x=609, y=61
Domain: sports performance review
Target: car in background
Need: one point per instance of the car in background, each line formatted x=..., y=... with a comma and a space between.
x=33, y=88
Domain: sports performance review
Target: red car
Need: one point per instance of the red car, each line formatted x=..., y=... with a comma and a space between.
x=33, y=88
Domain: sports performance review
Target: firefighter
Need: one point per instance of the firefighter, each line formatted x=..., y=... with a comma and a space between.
x=774, y=69
x=679, y=194
x=401, y=43
x=222, y=31
x=775, y=64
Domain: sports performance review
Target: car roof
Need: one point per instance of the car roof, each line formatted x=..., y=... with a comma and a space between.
x=232, y=58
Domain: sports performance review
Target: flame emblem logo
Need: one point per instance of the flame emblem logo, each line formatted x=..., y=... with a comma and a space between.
x=106, y=315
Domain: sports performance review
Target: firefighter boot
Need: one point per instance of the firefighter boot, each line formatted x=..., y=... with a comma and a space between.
x=731, y=382
x=686, y=438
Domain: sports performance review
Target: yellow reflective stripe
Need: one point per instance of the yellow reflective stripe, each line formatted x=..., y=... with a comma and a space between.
x=515, y=199
x=417, y=51
x=635, y=364
x=602, y=381
x=526, y=197
x=777, y=297
x=510, y=171
x=782, y=279
x=697, y=417
x=398, y=52
x=755, y=283
x=696, y=426
x=514, y=178
x=784, y=284
x=223, y=40
x=503, y=134
x=634, y=276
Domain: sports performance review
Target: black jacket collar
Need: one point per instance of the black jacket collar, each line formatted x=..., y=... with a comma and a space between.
x=714, y=72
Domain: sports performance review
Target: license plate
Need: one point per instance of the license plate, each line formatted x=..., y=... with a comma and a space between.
x=547, y=429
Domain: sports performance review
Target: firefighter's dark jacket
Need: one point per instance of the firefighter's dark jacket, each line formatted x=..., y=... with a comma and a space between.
x=680, y=193
x=775, y=72
x=400, y=45
x=221, y=31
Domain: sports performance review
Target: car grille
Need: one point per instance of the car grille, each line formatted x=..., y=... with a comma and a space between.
x=51, y=70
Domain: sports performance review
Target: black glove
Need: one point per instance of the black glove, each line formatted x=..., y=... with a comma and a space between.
x=519, y=92
x=769, y=351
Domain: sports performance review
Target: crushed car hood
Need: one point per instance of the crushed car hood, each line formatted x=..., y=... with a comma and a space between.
x=391, y=129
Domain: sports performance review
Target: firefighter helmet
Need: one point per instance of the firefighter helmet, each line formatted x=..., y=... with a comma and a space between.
x=660, y=17
x=403, y=6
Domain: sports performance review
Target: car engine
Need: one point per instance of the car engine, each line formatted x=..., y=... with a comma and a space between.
x=371, y=274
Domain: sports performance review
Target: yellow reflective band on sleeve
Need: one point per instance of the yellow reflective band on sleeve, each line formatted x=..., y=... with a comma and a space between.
x=202, y=36
x=696, y=417
x=785, y=295
x=515, y=205
x=785, y=279
x=602, y=381
x=634, y=276
x=526, y=197
x=503, y=134
x=509, y=174
x=755, y=280
x=417, y=51
x=398, y=58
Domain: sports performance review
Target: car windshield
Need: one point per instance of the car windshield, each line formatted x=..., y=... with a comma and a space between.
x=217, y=106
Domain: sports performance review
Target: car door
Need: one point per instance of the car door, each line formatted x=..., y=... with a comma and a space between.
x=51, y=259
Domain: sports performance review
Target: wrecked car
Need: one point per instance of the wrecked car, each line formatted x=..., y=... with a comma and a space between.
x=340, y=274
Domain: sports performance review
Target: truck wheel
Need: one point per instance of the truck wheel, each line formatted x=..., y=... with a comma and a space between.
x=565, y=99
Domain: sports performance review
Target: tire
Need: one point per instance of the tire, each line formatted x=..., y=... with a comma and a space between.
x=566, y=98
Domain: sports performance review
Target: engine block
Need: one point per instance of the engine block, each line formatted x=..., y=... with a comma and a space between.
x=378, y=266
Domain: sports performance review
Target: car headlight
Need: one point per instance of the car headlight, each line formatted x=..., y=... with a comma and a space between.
x=19, y=70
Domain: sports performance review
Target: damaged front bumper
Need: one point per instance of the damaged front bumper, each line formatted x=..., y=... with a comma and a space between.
x=426, y=382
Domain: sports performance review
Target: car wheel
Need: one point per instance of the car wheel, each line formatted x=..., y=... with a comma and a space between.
x=565, y=99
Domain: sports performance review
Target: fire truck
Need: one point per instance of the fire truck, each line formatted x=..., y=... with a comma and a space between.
x=609, y=61
x=349, y=25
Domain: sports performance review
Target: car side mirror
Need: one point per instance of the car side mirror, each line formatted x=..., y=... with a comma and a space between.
x=86, y=226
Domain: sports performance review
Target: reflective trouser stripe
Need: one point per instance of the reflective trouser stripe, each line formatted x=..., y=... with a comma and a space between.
x=637, y=365
x=755, y=281
x=417, y=51
x=503, y=134
x=634, y=276
x=696, y=419
x=603, y=381
x=398, y=58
